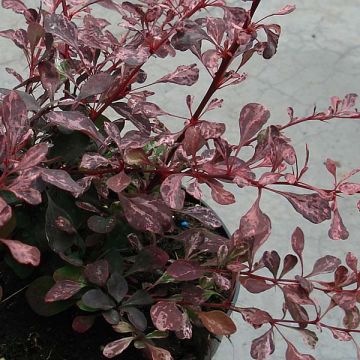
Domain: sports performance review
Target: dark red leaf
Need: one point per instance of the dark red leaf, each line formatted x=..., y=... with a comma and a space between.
x=271, y=260
x=33, y=156
x=351, y=261
x=203, y=214
x=326, y=264
x=61, y=179
x=49, y=77
x=81, y=324
x=217, y=322
x=172, y=193
x=183, y=75
x=136, y=317
x=340, y=335
x=293, y=354
x=349, y=188
x=297, y=295
x=346, y=301
x=97, y=299
x=23, y=253
x=93, y=161
x=117, y=347
x=97, y=272
x=219, y=194
x=118, y=182
x=255, y=286
x=263, y=346
x=165, y=315
x=193, y=141
x=211, y=130
x=16, y=5
x=290, y=262
x=159, y=353
x=63, y=290
x=96, y=84
x=34, y=33
x=297, y=242
x=351, y=319
x=311, y=206
x=252, y=118
x=185, y=270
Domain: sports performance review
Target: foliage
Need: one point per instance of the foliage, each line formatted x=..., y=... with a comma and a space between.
x=110, y=200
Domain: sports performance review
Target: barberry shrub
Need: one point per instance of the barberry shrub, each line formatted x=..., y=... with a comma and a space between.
x=117, y=195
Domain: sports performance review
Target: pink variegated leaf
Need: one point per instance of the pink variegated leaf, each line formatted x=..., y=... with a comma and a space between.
x=165, y=315
x=214, y=104
x=351, y=261
x=16, y=5
x=255, y=286
x=93, y=161
x=149, y=109
x=324, y=265
x=311, y=206
x=158, y=353
x=49, y=77
x=263, y=346
x=256, y=317
x=5, y=212
x=185, y=330
x=183, y=75
x=252, y=118
x=205, y=215
x=340, y=334
x=96, y=84
x=287, y=9
x=118, y=182
x=219, y=194
x=61, y=179
x=310, y=338
x=331, y=167
x=273, y=32
x=74, y=120
x=271, y=261
x=351, y=319
x=23, y=253
x=211, y=130
x=117, y=347
x=269, y=178
x=34, y=33
x=29, y=100
x=193, y=140
x=97, y=272
x=113, y=132
x=296, y=294
x=14, y=73
x=23, y=190
x=255, y=227
x=290, y=262
x=172, y=193
x=349, y=188
x=185, y=270
x=297, y=242
x=63, y=290
x=222, y=282
x=133, y=57
x=217, y=322
x=64, y=29
x=346, y=301
x=194, y=190
x=211, y=58
x=33, y=156
x=293, y=354
x=215, y=28
x=81, y=323
x=337, y=229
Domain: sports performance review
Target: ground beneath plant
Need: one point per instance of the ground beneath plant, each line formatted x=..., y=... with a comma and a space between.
x=25, y=335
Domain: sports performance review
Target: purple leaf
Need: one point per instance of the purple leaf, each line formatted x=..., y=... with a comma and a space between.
x=351, y=319
x=133, y=57
x=117, y=347
x=217, y=322
x=61, y=179
x=23, y=189
x=219, y=194
x=337, y=229
x=97, y=299
x=113, y=132
x=118, y=182
x=30, y=102
x=293, y=354
x=146, y=214
x=63, y=290
x=117, y=286
x=349, y=188
x=254, y=228
x=297, y=242
x=33, y=156
x=324, y=265
x=255, y=286
x=211, y=130
x=184, y=270
x=74, y=120
x=5, y=212
x=297, y=295
x=97, y=272
x=81, y=324
x=159, y=353
x=64, y=29
x=263, y=346
x=34, y=33
x=311, y=206
x=252, y=118
x=172, y=193
x=49, y=77
x=23, y=253
x=96, y=84
x=165, y=315
x=15, y=5
x=183, y=75
x=346, y=301
x=351, y=261
x=136, y=317
x=203, y=214
x=100, y=224
x=193, y=140
x=273, y=32
x=256, y=317
x=290, y=262
x=271, y=261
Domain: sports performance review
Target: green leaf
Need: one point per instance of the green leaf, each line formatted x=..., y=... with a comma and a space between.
x=69, y=272
x=35, y=295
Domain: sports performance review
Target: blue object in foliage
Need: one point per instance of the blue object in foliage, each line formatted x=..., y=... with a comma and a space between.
x=184, y=224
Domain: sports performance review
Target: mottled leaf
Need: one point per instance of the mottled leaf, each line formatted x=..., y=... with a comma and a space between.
x=324, y=265
x=97, y=272
x=97, y=299
x=49, y=77
x=95, y=84
x=172, y=193
x=35, y=155
x=118, y=182
x=290, y=262
x=64, y=29
x=61, y=179
x=117, y=347
x=183, y=75
x=63, y=290
x=337, y=229
x=203, y=214
x=185, y=270
x=5, y=212
x=256, y=317
x=293, y=354
x=263, y=346
x=23, y=253
x=255, y=286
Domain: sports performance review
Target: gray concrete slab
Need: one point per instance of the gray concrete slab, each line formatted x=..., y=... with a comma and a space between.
x=318, y=57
